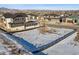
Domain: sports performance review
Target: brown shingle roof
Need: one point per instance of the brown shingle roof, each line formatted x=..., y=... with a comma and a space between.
x=10, y=15
x=20, y=15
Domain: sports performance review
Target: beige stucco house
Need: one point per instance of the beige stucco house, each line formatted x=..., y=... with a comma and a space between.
x=16, y=22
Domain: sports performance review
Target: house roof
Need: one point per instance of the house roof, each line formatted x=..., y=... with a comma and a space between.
x=74, y=17
x=20, y=15
x=10, y=15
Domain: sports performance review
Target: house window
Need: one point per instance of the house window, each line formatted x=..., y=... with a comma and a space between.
x=31, y=23
x=61, y=20
x=75, y=21
x=5, y=24
x=16, y=24
x=2, y=20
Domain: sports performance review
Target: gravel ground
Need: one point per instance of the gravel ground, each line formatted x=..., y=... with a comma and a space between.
x=10, y=48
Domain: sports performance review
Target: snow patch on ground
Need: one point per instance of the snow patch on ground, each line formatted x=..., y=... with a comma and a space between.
x=38, y=39
x=65, y=47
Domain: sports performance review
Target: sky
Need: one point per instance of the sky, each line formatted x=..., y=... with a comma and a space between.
x=42, y=6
